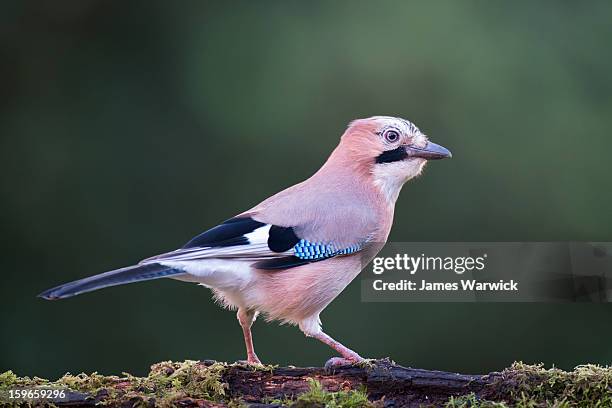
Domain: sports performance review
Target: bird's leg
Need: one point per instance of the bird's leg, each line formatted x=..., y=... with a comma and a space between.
x=311, y=327
x=349, y=356
x=246, y=319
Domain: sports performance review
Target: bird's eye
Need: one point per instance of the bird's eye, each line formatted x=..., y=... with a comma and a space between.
x=391, y=135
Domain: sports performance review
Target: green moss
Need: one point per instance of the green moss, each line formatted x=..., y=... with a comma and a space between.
x=472, y=401
x=318, y=397
x=87, y=383
x=266, y=368
x=196, y=380
x=587, y=386
x=166, y=383
x=368, y=363
x=533, y=386
x=7, y=379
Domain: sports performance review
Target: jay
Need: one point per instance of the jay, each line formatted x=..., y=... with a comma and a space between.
x=291, y=255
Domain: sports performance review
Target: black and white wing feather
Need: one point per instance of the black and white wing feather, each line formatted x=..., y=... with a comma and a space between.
x=269, y=246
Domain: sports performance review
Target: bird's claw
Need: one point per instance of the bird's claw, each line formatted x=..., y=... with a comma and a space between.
x=336, y=362
x=251, y=361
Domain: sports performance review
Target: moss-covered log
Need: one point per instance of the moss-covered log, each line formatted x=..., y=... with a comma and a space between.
x=376, y=383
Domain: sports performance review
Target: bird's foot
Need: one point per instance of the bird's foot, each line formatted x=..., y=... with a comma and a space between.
x=341, y=361
x=251, y=360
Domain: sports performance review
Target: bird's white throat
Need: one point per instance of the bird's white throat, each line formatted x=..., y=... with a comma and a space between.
x=390, y=177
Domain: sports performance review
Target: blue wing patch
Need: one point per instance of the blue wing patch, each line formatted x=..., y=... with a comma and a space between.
x=317, y=251
x=305, y=252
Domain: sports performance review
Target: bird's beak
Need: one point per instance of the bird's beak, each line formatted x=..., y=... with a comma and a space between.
x=431, y=151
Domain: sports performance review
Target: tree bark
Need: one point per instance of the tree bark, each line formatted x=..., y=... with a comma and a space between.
x=391, y=384
x=381, y=383
x=399, y=386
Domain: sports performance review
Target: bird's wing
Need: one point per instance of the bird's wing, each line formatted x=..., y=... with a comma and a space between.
x=269, y=246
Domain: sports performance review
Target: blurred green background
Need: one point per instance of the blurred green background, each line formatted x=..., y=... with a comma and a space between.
x=128, y=127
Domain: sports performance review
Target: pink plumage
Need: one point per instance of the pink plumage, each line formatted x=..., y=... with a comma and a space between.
x=291, y=255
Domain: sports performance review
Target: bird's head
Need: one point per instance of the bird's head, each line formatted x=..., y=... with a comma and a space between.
x=392, y=150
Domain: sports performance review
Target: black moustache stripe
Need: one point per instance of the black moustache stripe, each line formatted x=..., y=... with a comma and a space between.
x=391, y=156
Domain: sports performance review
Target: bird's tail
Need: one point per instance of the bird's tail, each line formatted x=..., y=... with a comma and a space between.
x=121, y=276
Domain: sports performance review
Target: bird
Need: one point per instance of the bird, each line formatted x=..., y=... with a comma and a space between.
x=291, y=255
